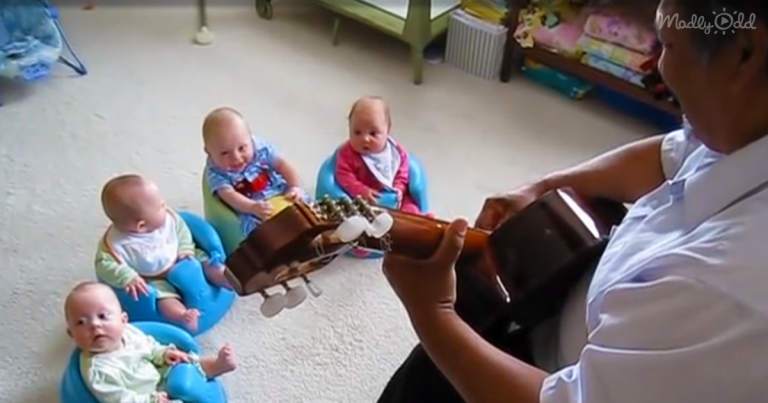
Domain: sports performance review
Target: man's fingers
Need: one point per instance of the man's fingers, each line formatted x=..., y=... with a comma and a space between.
x=453, y=241
x=392, y=260
x=447, y=253
x=489, y=215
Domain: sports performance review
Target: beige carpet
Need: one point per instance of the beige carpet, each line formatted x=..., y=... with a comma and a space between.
x=140, y=109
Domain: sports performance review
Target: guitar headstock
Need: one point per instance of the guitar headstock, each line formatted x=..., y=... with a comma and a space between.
x=306, y=237
x=352, y=218
x=301, y=239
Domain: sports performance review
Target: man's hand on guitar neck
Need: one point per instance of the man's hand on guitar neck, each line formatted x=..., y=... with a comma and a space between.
x=428, y=286
x=498, y=209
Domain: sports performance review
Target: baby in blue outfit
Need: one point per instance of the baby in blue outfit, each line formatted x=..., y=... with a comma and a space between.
x=246, y=172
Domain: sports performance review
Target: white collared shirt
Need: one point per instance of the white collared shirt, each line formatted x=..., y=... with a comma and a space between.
x=677, y=311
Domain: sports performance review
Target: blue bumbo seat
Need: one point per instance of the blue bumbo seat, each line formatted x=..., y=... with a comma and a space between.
x=32, y=41
x=223, y=219
x=184, y=381
x=417, y=187
x=188, y=277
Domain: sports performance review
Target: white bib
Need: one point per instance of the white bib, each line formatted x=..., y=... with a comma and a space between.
x=149, y=254
x=384, y=164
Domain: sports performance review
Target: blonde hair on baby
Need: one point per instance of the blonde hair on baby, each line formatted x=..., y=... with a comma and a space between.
x=368, y=99
x=117, y=202
x=84, y=286
x=217, y=117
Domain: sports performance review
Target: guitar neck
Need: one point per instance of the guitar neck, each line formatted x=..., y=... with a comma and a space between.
x=419, y=237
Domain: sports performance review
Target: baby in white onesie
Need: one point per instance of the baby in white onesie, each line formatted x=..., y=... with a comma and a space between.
x=147, y=239
x=118, y=362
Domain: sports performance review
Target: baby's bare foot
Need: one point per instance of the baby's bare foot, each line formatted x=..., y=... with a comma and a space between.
x=216, y=275
x=223, y=363
x=226, y=359
x=189, y=319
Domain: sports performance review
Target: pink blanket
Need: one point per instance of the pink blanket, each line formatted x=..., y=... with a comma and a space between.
x=621, y=31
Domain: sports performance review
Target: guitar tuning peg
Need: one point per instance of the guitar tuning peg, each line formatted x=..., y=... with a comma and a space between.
x=294, y=296
x=313, y=289
x=380, y=225
x=272, y=304
x=351, y=228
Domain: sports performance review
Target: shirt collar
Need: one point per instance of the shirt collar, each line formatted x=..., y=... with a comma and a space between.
x=708, y=191
x=213, y=167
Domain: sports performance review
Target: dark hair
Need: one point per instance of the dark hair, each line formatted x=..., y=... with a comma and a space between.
x=710, y=43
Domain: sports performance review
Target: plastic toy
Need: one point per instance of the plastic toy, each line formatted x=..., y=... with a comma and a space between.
x=188, y=277
x=32, y=41
x=417, y=186
x=184, y=381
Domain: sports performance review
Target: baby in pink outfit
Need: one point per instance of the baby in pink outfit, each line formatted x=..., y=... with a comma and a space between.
x=371, y=163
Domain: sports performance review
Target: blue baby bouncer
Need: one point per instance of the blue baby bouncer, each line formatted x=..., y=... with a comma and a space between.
x=32, y=41
x=188, y=277
x=184, y=381
x=417, y=186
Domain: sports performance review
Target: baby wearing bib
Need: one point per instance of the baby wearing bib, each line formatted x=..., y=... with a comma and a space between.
x=145, y=240
x=371, y=162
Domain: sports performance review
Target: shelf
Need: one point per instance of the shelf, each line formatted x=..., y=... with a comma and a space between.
x=576, y=68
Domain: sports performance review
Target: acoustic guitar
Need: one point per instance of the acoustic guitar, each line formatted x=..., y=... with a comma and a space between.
x=544, y=248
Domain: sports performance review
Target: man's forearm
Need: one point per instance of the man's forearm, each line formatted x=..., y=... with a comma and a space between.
x=480, y=372
x=623, y=174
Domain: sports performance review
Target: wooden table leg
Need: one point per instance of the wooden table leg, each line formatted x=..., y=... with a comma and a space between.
x=513, y=57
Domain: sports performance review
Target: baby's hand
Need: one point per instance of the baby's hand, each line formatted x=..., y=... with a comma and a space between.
x=262, y=209
x=294, y=193
x=399, y=194
x=161, y=397
x=185, y=255
x=136, y=286
x=173, y=356
x=372, y=196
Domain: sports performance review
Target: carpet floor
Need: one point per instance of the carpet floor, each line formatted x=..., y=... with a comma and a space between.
x=140, y=109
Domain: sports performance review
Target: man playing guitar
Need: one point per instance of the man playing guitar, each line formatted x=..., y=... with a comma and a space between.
x=677, y=308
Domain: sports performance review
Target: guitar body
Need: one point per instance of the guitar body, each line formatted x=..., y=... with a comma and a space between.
x=541, y=253
x=536, y=256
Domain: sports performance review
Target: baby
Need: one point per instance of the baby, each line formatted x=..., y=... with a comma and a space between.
x=371, y=162
x=120, y=363
x=245, y=172
x=145, y=240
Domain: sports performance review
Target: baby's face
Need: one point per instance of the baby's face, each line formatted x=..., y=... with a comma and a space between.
x=368, y=130
x=230, y=146
x=95, y=320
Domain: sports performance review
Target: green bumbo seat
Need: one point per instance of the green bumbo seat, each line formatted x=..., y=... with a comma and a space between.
x=223, y=219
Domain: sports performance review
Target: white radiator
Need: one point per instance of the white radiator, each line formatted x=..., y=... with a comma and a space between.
x=474, y=45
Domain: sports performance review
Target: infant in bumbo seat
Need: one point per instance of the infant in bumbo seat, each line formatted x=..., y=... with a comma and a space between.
x=118, y=362
x=370, y=162
x=145, y=240
x=245, y=172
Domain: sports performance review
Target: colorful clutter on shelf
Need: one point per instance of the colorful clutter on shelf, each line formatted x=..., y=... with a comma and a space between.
x=613, y=44
x=493, y=11
x=621, y=31
x=568, y=85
